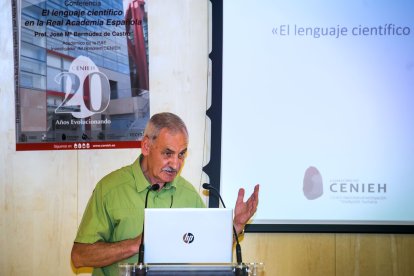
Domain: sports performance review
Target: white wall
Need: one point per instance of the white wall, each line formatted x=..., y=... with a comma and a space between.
x=43, y=193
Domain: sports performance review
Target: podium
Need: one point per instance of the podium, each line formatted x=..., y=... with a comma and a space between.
x=199, y=269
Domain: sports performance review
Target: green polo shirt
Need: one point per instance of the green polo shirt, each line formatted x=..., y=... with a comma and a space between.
x=115, y=211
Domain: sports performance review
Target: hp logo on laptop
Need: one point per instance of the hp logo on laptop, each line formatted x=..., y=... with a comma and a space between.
x=188, y=238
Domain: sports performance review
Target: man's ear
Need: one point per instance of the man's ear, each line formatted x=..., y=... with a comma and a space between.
x=145, y=146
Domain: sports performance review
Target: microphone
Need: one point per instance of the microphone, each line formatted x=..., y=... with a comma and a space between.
x=240, y=270
x=141, y=246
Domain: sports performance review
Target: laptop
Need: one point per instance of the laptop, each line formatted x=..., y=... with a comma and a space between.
x=188, y=235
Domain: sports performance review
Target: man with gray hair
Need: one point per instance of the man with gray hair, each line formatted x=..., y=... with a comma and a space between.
x=111, y=227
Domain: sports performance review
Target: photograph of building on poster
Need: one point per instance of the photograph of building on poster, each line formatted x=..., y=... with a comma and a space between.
x=81, y=74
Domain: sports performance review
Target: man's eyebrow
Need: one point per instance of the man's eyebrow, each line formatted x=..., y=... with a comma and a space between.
x=173, y=151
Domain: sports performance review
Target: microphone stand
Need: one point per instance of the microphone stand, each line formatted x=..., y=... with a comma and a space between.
x=241, y=269
x=141, y=270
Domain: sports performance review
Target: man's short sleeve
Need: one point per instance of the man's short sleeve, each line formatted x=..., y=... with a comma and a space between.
x=95, y=225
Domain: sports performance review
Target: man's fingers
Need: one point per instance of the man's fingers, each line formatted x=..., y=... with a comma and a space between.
x=240, y=195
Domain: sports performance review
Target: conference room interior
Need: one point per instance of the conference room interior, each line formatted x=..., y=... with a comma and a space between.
x=43, y=193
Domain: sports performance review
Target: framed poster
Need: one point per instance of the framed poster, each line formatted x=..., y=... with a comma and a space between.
x=81, y=74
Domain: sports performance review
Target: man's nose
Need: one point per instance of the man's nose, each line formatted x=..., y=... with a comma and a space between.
x=174, y=162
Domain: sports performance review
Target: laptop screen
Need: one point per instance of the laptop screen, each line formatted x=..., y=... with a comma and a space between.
x=188, y=235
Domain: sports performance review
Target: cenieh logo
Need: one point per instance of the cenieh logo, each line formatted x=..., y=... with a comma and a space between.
x=188, y=238
x=87, y=90
x=348, y=186
x=312, y=183
x=313, y=186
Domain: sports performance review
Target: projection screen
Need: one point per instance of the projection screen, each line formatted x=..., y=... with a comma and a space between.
x=314, y=101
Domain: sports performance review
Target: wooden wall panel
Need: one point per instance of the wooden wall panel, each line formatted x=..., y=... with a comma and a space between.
x=404, y=255
x=291, y=254
x=331, y=254
x=374, y=254
x=40, y=194
x=37, y=189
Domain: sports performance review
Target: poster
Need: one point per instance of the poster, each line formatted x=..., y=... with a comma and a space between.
x=81, y=74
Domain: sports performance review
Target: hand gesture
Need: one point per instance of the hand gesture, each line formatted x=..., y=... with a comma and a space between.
x=243, y=211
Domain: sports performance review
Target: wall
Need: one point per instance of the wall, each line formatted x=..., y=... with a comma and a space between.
x=331, y=254
x=43, y=194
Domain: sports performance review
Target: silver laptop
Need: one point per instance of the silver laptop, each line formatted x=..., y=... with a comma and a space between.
x=188, y=235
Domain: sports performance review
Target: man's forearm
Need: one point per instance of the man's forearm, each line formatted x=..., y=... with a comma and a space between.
x=101, y=254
